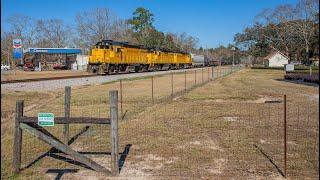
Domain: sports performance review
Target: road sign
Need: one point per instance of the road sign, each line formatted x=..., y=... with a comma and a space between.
x=17, y=48
x=17, y=53
x=45, y=119
x=289, y=67
x=17, y=43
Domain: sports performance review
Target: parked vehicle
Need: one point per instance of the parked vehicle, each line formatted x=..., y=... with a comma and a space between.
x=5, y=67
x=28, y=67
x=59, y=66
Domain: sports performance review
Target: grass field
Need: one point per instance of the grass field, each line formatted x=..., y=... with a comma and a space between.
x=221, y=129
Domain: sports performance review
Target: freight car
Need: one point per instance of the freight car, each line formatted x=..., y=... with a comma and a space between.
x=209, y=61
x=198, y=60
x=109, y=56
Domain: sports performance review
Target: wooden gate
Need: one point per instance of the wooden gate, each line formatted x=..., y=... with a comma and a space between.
x=30, y=125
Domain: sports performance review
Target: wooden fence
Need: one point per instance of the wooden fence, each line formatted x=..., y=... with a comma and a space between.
x=30, y=125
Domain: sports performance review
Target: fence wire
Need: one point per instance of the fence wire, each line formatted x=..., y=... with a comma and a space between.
x=165, y=134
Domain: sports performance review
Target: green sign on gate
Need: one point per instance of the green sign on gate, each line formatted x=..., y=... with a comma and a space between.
x=45, y=119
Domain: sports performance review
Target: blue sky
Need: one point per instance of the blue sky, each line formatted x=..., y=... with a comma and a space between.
x=213, y=22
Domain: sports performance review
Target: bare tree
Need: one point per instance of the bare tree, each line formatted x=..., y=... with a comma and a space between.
x=287, y=28
x=307, y=14
x=277, y=27
x=184, y=42
x=94, y=26
x=23, y=27
x=6, y=47
x=52, y=33
x=120, y=31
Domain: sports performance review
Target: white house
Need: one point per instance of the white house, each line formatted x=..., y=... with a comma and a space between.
x=276, y=59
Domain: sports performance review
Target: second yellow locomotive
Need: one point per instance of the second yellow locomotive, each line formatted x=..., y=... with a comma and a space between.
x=109, y=56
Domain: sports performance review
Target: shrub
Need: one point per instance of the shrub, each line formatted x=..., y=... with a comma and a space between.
x=263, y=67
x=303, y=67
x=314, y=78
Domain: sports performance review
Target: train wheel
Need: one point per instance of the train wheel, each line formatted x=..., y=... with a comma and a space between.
x=89, y=69
x=136, y=68
x=111, y=69
x=101, y=70
x=94, y=69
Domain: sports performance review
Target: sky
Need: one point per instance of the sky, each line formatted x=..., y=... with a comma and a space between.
x=213, y=22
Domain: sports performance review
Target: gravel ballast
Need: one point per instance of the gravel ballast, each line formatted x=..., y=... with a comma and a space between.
x=49, y=85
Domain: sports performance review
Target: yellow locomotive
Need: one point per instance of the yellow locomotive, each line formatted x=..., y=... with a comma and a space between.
x=109, y=57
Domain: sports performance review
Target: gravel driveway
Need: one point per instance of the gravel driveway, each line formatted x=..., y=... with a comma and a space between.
x=60, y=84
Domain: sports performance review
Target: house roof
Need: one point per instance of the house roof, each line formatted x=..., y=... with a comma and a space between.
x=273, y=54
x=54, y=50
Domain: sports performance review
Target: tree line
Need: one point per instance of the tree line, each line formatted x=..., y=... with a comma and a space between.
x=290, y=29
x=90, y=27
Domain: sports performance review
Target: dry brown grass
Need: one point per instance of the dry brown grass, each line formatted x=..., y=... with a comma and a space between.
x=218, y=130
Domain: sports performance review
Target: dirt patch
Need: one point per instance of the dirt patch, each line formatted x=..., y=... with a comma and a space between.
x=313, y=97
x=206, y=144
x=230, y=119
x=260, y=100
x=262, y=141
x=195, y=143
x=218, y=166
x=177, y=98
x=145, y=166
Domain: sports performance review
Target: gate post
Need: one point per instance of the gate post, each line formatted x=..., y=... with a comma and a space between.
x=67, y=98
x=152, y=89
x=208, y=74
x=113, y=97
x=121, y=98
x=195, y=77
x=202, y=74
x=185, y=80
x=171, y=85
x=212, y=73
x=17, y=143
x=285, y=133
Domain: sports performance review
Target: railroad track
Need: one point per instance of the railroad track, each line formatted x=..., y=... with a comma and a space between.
x=46, y=79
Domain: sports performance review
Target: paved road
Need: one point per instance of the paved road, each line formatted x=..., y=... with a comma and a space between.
x=60, y=84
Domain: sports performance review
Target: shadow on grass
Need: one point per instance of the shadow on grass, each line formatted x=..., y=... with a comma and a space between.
x=53, y=150
x=123, y=156
x=270, y=159
x=54, y=153
x=61, y=172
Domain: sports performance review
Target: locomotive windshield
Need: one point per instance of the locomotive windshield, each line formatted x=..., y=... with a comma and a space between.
x=102, y=45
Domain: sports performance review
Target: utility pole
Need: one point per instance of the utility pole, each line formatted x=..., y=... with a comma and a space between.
x=8, y=60
x=206, y=50
x=233, y=50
